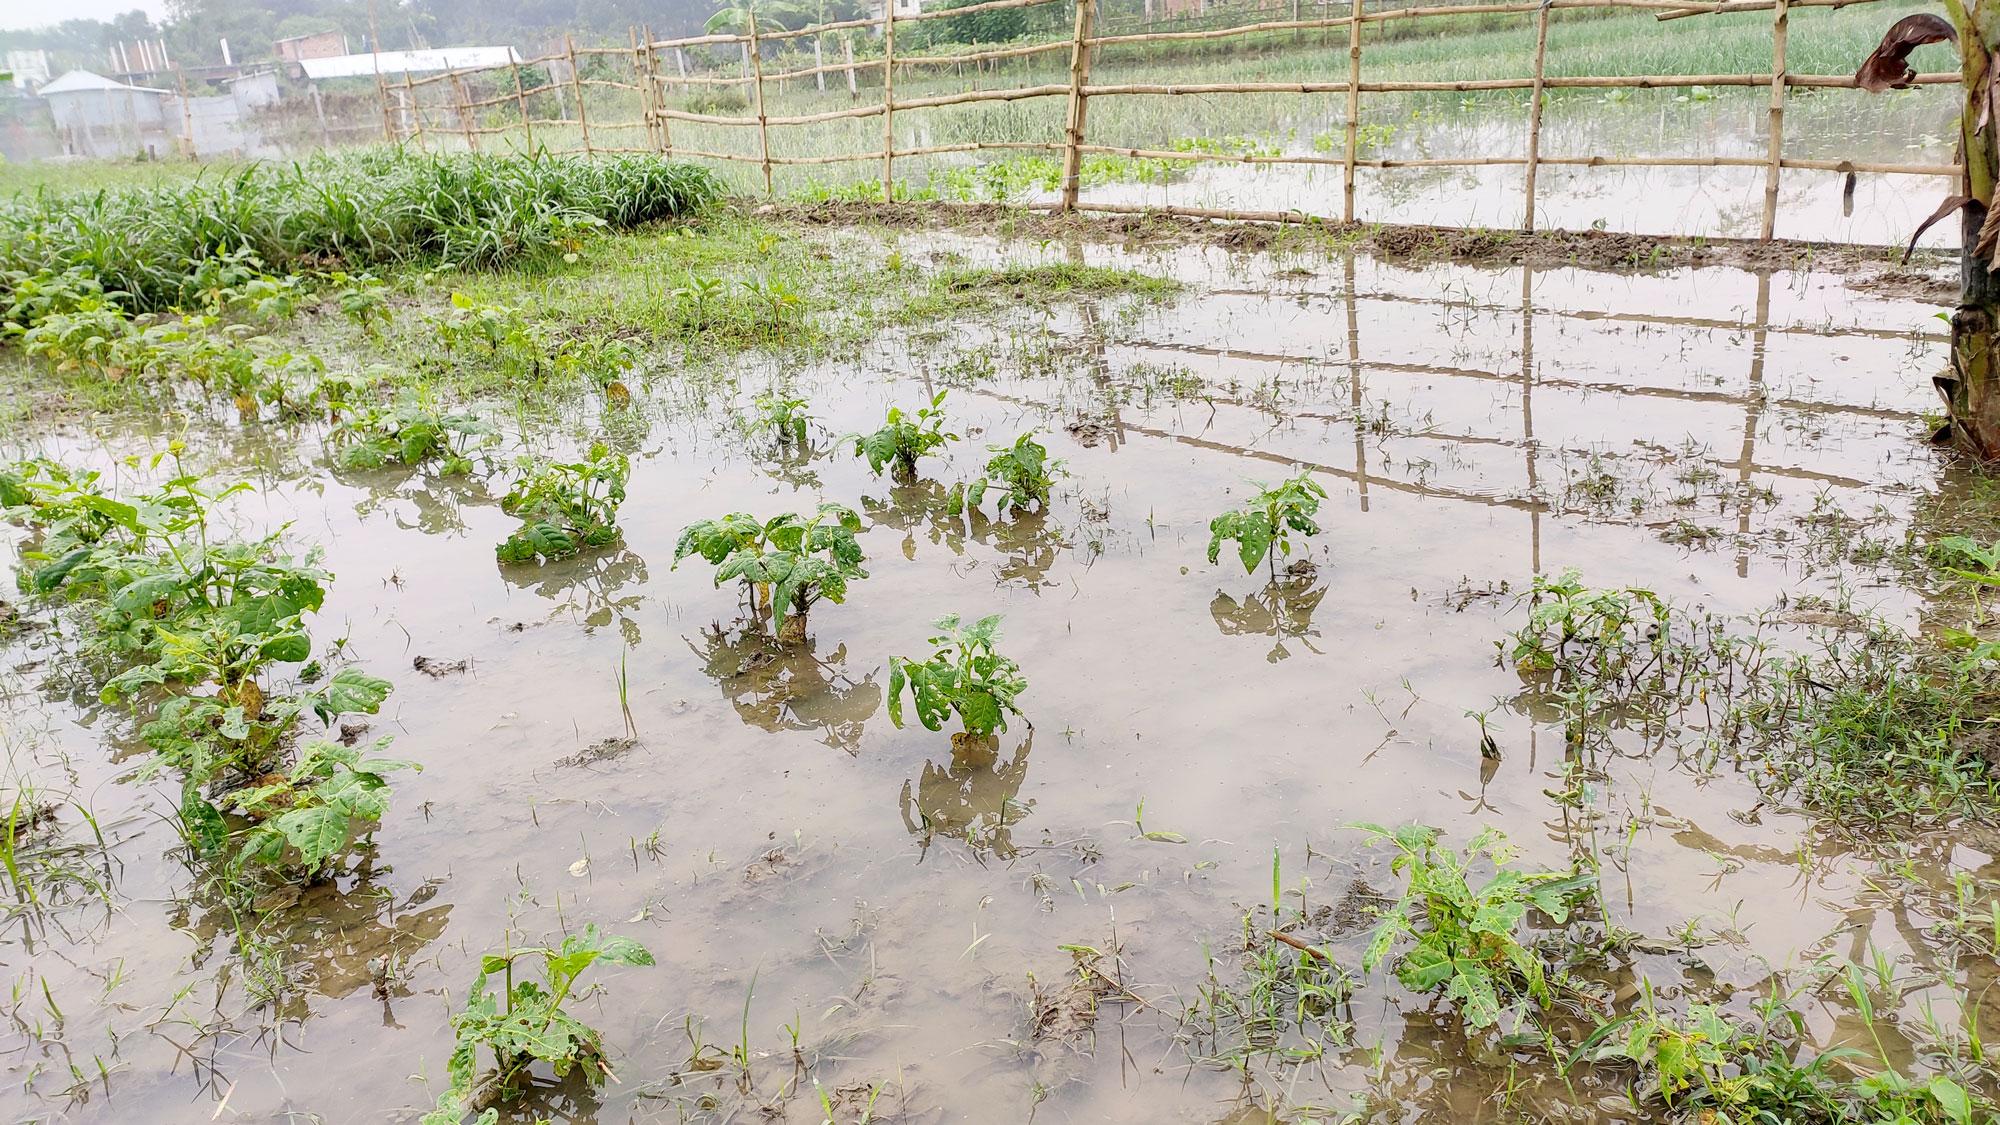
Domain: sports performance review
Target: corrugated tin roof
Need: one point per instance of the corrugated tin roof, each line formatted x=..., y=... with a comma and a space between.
x=83, y=81
x=399, y=62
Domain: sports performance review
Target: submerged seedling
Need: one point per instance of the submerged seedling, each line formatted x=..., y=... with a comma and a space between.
x=565, y=506
x=527, y=1023
x=964, y=676
x=903, y=438
x=1264, y=527
x=793, y=560
x=1021, y=474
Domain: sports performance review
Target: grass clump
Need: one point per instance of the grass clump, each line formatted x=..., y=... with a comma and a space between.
x=388, y=206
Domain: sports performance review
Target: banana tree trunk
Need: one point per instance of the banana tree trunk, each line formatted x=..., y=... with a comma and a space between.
x=1972, y=390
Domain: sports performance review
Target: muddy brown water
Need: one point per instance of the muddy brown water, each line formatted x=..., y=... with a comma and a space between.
x=899, y=903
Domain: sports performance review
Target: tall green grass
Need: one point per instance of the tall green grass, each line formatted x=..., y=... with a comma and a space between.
x=349, y=210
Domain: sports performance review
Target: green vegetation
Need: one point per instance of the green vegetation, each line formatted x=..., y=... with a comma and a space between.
x=1021, y=474
x=198, y=623
x=1267, y=522
x=1467, y=940
x=412, y=432
x=360, y=210
x=565, y=507
x=795, y=560
x=526, y=1023
x=782, y=417
x=903, y=438
x=964, y=676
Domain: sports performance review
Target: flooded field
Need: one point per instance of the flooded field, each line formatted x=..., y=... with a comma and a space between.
x=856, y=921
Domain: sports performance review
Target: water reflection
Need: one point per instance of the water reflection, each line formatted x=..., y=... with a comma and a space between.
x=779, y=687
x=922, y=507
x=439, y=504
x=1282, y=609
x=975, y=799
x=1028, y=543
x=587, y=588
x=330, y=939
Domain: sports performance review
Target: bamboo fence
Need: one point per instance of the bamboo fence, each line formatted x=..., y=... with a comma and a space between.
x=653, y=83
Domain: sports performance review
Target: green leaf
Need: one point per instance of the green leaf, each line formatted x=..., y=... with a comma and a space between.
x=1951, y=1098
x=350, y=691
x=319, y=832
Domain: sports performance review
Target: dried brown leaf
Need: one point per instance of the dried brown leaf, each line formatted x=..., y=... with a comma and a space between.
x=1950, y=205
x=1888, y=68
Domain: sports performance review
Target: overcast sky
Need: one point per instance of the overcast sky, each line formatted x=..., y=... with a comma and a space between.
x=35, y=13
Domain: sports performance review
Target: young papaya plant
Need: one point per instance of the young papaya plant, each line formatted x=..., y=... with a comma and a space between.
x=1467, y=940
x=526, y=1023
x=412, y=432
x=963, y=676
x=903, y=438
x=306, y=818
x=1268, y=521
x=565, y=506
x=1021, y=473
x=781, y=416
x=801, y=561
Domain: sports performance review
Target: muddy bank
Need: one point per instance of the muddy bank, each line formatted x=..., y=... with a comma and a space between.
x=1927, y=276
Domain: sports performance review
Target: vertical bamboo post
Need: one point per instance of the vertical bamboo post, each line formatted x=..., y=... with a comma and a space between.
x=763, y=120
x=416, y=112
x=576, y=88
x=659, y=88
x=464, y=110
x=1780, y=24
x=1079, y=75
x=819, y=66
x=187, y=113
x=681, y=68
x=521, y=104
x=888, y=100
x=639, y=80
x=847, y=55
x=1535, y=114
x=1353, y=112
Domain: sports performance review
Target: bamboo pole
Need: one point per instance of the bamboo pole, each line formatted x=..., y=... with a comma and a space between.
x=763, y=121
x=1353, y=113
x=415, y=109
x=464, y=113
x=681, y=67
x=888, y=101
x=187, y=113
x=521, y=105
x=819, y=66
x=847, y=56
x=1780, y=27
x=639, y=80
x=576, y=88
x=659, y=87
x=1535, y=116
x=1079, y=76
